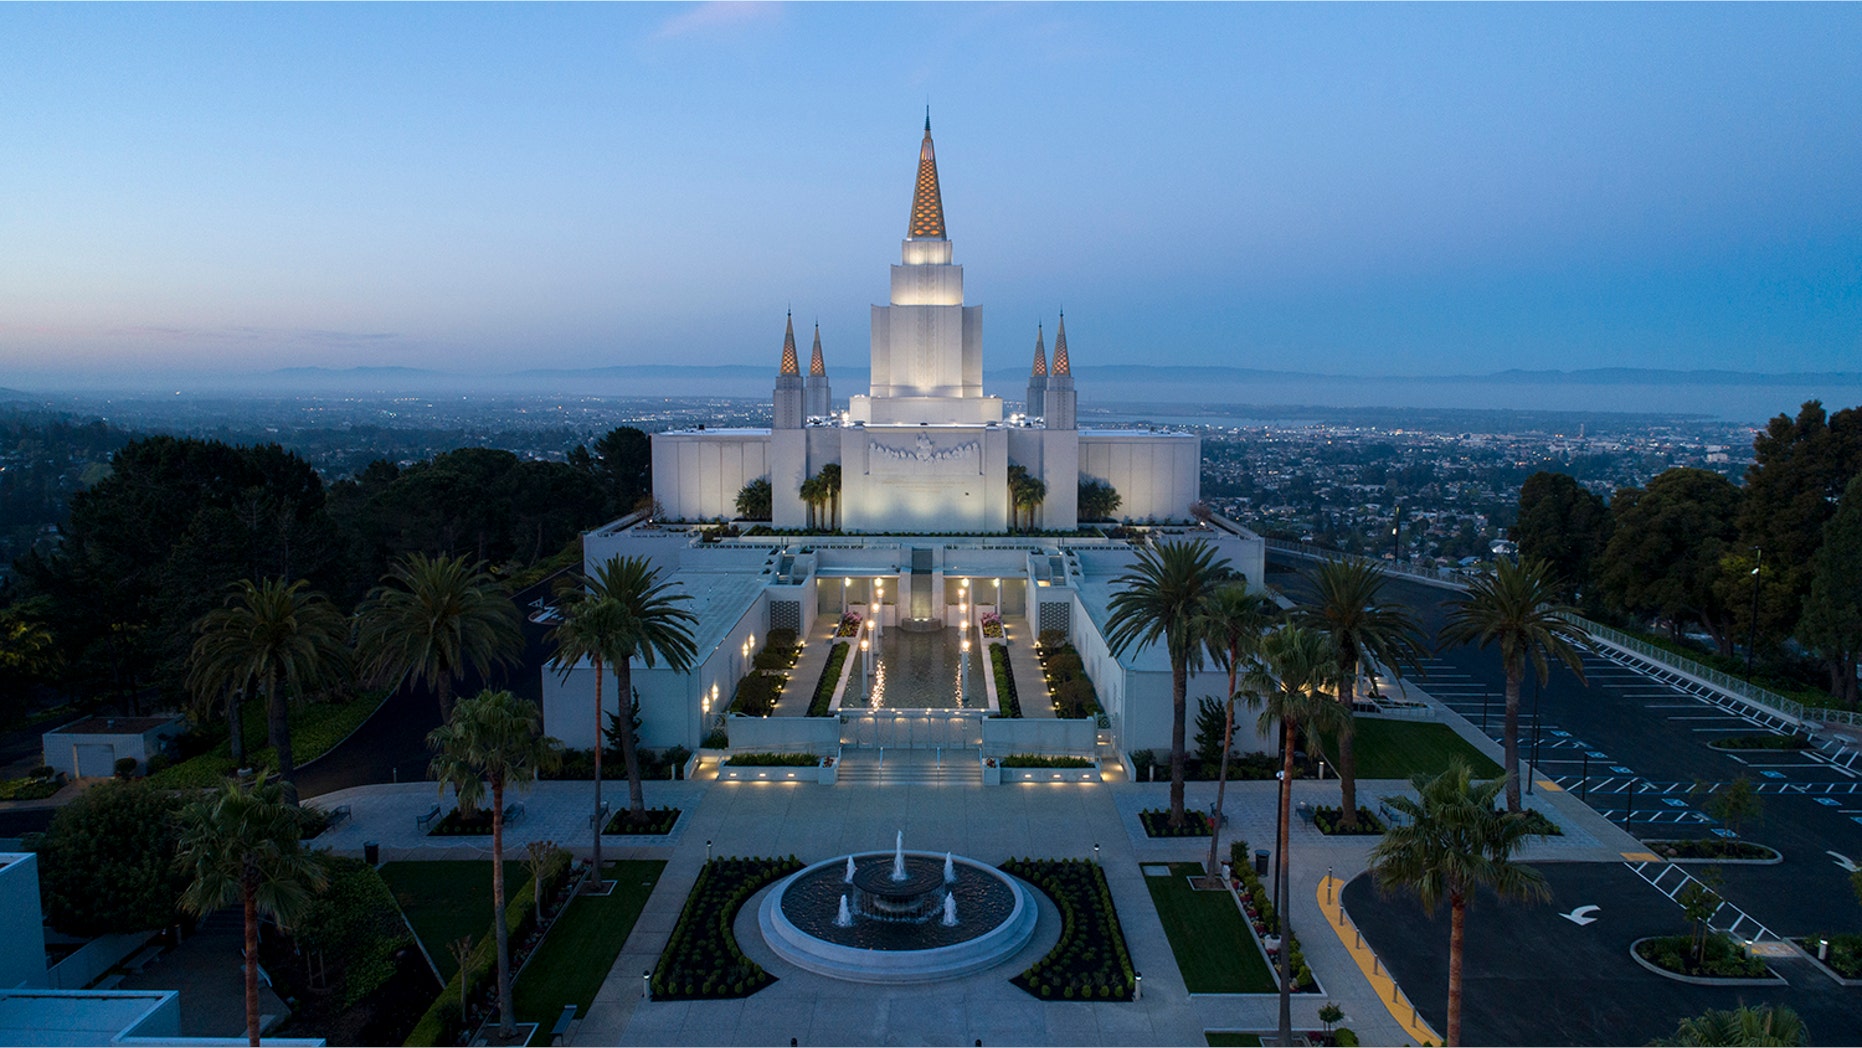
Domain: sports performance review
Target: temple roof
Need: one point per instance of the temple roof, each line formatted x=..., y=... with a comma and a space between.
x=927, y=202
x=790, y=365
x=1061, y=365
x=817, y=366
x=1040, y=353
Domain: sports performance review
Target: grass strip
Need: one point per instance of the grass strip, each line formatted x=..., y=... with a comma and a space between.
x=1398, y=749
x=446, y=901
x=582, y=946
x=1214, y=948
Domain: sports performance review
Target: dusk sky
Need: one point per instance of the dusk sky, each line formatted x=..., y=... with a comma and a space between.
x=1383, y=189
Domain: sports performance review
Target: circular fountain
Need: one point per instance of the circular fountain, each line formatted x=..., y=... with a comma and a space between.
x=898, y=916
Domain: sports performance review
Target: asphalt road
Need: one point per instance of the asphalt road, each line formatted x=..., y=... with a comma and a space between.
x=1635, y=748
x=1532, y=976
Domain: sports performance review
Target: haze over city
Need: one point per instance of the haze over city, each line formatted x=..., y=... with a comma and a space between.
x=209, y=193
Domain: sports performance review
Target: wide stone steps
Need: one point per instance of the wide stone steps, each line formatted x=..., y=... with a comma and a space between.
x=909, y=768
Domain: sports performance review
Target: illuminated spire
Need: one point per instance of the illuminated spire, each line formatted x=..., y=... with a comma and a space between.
x=1040, y=353
x=817, y=366
x=790, y=365
x=1061, y=365
x=927, y=202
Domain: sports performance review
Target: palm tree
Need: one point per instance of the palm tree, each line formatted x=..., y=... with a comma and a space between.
x=1297, y=665
x=1231, y=623
x=1454, y=843
x=278, y=638
x=830, y=491
x=648, y=624
x=242, y=846
x=1026, y=493
x=813, y=493
x=1746, y=1025
x=753, y=501
x=589, y=628
x=493, y=739
x=434, y=618
x=1515, y=609
x=1348, y=606
x=1159, y=598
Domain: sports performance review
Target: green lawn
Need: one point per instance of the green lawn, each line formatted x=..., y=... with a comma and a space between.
x=1231, y=1039
x=316, y=728
x=1210, y=936
x=1398, y=749
x=447, y=900
x=581, y=948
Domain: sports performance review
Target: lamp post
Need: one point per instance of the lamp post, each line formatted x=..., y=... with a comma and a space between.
x=866, y=669
x=1752, y=633
x=879, y=603
x=1535, y=734
x=844, y=583
x=963, y=670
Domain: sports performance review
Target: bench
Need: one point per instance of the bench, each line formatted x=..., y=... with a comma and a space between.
x=144, y=959
x=513, y=812
x=601, y=816
x=425, y=822
x=561, y=1029
x=1305, y=812
x=337, y=815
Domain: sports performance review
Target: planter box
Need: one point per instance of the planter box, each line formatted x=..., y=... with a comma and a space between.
x=1047, y=774
x=992, y=774
x=771, y=773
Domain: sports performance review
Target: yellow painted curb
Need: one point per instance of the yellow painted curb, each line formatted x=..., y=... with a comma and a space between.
x=1642, y=857
x=1549, y=786
x=1388, y=991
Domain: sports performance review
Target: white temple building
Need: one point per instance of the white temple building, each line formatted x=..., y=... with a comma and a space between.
x=914, y=529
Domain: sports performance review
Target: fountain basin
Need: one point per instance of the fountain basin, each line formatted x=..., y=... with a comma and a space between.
x=996, y=917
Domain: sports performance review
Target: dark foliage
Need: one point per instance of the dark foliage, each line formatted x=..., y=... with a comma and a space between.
x=702, y=959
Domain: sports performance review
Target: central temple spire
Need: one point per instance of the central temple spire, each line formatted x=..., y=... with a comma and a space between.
x=927, y=202
x=790, y=364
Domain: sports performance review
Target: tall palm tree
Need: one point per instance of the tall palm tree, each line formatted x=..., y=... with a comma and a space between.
x=1348, y=606
x=589, y=630
x=1231, y=623
x=649, y=624
x=242, y=846
x=830, y=491
x=813, y=494
x=434, y=618
x=1515, y=608
x=278, y=638
x=1296, y=667
x=1159, y=598
x=493, y=739
x=1454, y=843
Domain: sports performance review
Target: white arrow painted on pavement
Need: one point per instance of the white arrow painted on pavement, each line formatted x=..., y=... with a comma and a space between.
x=1582, y=915
x=1844, y=861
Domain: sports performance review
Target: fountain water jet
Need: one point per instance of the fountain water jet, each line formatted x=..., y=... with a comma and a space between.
x=950, y=911
x=950, y=872
x=849, y=878
x=898, y=857
x=844, y=919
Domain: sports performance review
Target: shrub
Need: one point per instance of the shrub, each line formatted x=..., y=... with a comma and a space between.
x=1091, y=959
x=717, y=739
x=1241, y=866
x=701, y=958
x=43, y=771
x=830, y=676
x=349, y=934
x=29, y=789
x=1722, y=957
x=1005, y=682
x=1326, y=818
x=756, y=694
x=1076, y=698
x=126, y=767
x=106, y=864
x=773, y=760
x=652, y=821
x=1032, y=760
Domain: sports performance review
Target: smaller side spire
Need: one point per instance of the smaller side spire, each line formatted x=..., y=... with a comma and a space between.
x=1040, y=353
x=1062, y=366
x=816, y=365
x=791, y=365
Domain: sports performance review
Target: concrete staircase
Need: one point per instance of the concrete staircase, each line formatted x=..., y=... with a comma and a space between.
x=864, y=767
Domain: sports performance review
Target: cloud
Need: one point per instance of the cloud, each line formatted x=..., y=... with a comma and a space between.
x=716, y=16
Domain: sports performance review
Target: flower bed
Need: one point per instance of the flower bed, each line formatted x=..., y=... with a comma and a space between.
x=1722, y=958
x=1845, y=958
x=1090, y=962
x=701, y=960
x=830, y=676
x=1712, y=849
x=773, y=760
x=1035, y=760
x=1326, y=819
x=653, y=821
x=991, y=624
x=849, y=625
x=1261, y=918
x=1156, y=823
x=1761, y=742
x=1005, y=682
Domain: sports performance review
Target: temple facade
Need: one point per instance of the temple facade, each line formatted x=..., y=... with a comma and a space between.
x=925, y=450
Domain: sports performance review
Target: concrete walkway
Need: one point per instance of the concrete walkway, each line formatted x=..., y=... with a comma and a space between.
x=807, y=672
x=1030, y=689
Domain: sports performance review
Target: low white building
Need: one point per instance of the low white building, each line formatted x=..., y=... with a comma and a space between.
x=90, y=747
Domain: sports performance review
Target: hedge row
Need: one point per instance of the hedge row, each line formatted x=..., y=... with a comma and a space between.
x=1156, y=823
x=1090, y=962
x=830, y=676
x=1005, y=681
x=1261, y=916
x=1035, y=760
x=701, y=959
x=442, y=1023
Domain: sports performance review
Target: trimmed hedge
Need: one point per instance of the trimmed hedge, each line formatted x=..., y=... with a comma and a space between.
x=1035, y=760
x=830, y=676
x=1156, y=822
x=1260, y=911
x=1091, y=961
x=653, y=821
x=757, y=693
x=701, y=960
x=1005, y=681
x=1709, y=848
x=773, y=760
x=1326, y=820
x=441, y=1024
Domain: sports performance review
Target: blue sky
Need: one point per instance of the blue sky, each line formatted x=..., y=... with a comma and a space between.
x=1352, y=189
